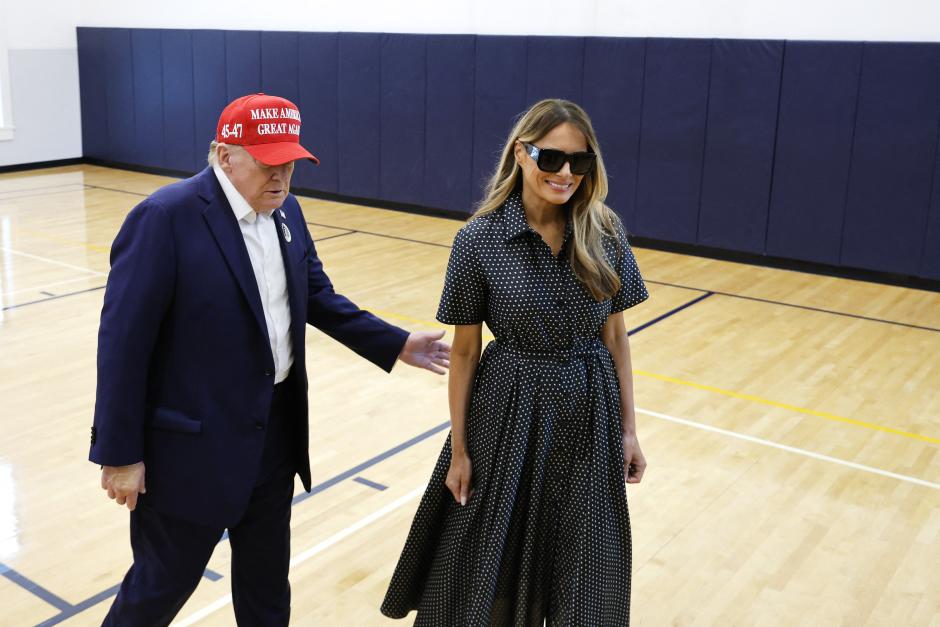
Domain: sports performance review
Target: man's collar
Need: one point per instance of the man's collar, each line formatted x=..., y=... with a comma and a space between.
x=240, y=206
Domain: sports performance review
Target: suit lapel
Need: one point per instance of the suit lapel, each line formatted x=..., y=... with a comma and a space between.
x=293, y=298
x=224, y=227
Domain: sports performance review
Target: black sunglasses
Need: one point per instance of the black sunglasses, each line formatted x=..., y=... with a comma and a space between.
x=552, y=160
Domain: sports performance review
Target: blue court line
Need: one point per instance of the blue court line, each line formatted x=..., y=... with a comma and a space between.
x=44, y=300
x=31, y=586
x=211, y=575
x=669, y=313
x=371, y=484
x=65, y=608
x=72, y=610
x=795, y=306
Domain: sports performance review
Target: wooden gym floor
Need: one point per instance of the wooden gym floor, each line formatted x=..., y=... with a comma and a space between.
x=791, y=423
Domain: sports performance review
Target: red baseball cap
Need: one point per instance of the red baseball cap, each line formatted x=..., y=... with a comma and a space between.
x=268, y=127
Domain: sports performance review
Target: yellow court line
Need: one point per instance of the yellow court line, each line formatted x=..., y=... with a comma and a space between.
x=787, y=406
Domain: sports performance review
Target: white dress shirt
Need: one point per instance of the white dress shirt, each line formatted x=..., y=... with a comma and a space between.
x=261, y=239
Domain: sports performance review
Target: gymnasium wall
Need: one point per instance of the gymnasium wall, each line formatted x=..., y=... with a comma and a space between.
x=817, y=151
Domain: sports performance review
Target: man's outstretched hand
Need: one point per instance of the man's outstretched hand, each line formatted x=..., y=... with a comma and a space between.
x=425, y=349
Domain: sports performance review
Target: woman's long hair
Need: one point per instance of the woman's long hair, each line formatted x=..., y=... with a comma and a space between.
x=591, y=219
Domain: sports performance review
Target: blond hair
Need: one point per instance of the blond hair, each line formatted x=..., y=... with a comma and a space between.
x=591, y=219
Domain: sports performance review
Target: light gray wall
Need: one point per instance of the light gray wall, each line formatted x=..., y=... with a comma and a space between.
x=47, y=116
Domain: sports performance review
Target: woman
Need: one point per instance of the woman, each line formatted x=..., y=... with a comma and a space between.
x=535, y=526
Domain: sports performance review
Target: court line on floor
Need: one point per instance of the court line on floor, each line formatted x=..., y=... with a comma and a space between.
x=39, y=288
x=52, y=261
x=385, y=235
x=4, y=199
x=791, y=449
x=36, y=189
x=57, y=297
x=795, y=306
x=803, y=410
x=314, y=550
x=328, y=237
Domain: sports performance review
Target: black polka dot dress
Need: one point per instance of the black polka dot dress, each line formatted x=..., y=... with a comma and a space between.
x=545, y=536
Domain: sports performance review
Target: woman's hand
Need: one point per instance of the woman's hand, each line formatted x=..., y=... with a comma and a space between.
x=634, y=464
x=458, y=477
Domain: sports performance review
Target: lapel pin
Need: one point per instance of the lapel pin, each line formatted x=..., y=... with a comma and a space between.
x=286, y=232
x=281, y=211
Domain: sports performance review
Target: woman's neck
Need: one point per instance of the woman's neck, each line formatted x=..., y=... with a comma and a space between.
x=538, y=212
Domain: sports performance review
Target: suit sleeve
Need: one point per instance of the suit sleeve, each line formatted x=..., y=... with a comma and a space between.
x=341, y=319
x=138, y=295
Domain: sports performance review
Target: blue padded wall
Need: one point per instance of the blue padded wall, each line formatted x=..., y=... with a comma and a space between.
x=739, y=144
x=242, y=63
x=449, y=124
x=92, y=76
x=893, y=157
x=817, y=151
x=554, y=68
x=147, y=62
x=930, y=254
x=280, y=61
x=318, y=102
x=613, y=97
x=359, y=88
x=672, y=138
x=814, y=148
x=499, y=96
x=404, y=68
x=179, y=127
x=209, y=90
x=119, y=87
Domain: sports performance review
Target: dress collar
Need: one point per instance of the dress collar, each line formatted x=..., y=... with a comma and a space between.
x=515, y=220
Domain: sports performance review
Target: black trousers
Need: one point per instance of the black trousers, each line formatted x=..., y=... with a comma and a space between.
x=170, y=555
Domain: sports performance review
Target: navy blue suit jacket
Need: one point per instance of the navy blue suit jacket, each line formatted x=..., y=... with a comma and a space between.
x=185, y=371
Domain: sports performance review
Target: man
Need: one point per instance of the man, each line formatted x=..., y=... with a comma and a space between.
x=201, y=410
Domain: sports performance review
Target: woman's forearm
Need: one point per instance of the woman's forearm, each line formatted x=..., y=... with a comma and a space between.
x=464, y=359
x=617, y=341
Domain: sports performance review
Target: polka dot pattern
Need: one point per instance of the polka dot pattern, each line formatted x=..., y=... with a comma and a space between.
x=545, y=536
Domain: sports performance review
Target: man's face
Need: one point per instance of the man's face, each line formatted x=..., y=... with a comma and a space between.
x=264, y=187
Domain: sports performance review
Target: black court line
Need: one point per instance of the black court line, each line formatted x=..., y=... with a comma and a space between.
x=114, y=189
x=795, y=306
x=670, y=313
x=404, y=239
x=45, y=293
x=371, y=484
x=45, y=300
x=323, y=239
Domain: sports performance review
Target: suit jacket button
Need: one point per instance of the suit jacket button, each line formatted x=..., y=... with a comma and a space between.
x=268, y=373
x=259, y=425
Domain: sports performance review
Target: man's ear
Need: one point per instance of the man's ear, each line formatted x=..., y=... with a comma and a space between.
x=224, y=157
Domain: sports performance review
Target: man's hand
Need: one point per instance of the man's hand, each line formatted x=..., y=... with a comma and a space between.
x=425, y=350
x=124, y=483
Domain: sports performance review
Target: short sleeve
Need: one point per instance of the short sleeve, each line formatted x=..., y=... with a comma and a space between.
x=464, y=298
x=632, y=289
